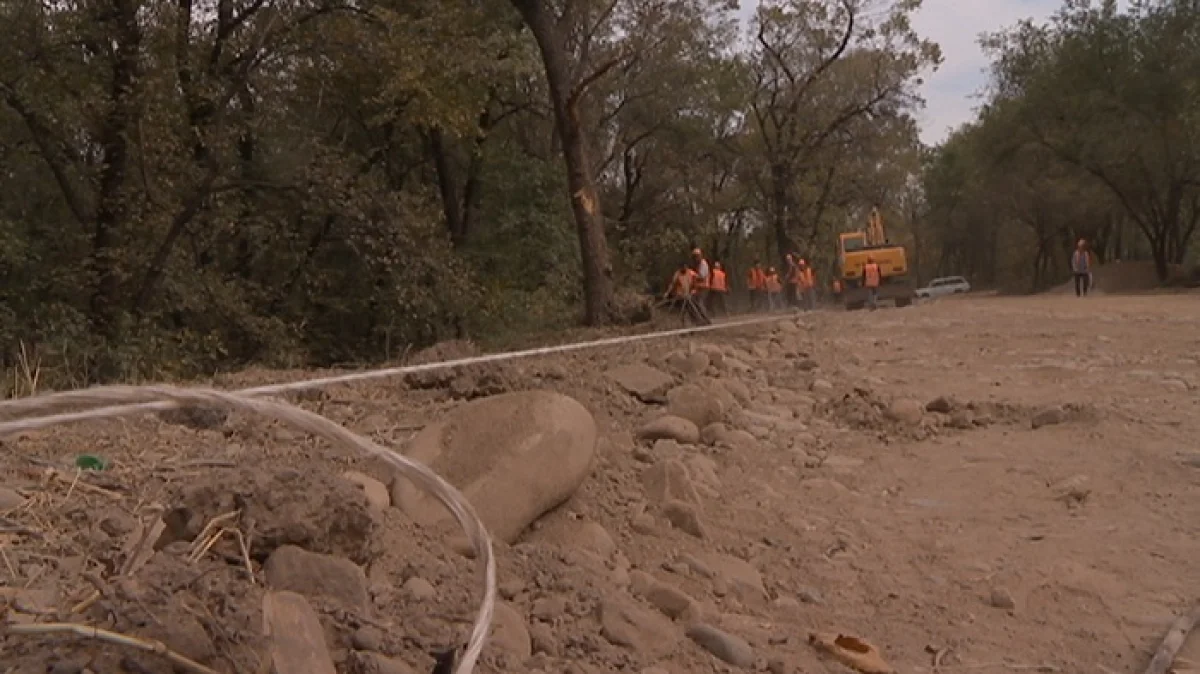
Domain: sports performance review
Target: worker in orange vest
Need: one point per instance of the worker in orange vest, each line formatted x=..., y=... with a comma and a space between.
x=806, y=282
x=774, y=289
x=718, y=289
x=756, y=281
x=871, y=279
x=1081, y=267
x=681, y=292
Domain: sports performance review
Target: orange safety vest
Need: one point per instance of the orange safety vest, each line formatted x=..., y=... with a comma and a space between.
x=772, y=283
x=807, y=279
x=871, y=275
x=758, y=279
x=718, y=281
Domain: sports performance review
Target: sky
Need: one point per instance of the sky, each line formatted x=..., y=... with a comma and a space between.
x=956, y=25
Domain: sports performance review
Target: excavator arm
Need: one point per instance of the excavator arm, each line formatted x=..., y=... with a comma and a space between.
x=875, y=232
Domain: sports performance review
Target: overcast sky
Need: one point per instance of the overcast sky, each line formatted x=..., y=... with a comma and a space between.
x=956, y=25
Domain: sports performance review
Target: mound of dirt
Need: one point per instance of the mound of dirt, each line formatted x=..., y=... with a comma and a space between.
x=1121, y=277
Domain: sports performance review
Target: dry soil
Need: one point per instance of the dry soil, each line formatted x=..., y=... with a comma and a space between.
x=992, y=484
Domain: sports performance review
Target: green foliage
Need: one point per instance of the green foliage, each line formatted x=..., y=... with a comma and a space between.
x=188, y=187
x=1090, y=132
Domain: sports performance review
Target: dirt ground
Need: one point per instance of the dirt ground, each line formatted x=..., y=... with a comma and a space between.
x=990, y=484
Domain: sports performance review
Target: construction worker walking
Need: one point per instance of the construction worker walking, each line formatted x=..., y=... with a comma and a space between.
x=718, y=289
x=807, y=283
x=774, y=290
x=756, y=282
x=871, y=279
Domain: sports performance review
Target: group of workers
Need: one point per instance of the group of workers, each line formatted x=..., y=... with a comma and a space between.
x=702, y=289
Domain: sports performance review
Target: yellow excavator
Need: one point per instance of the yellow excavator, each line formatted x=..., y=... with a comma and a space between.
x=853, y=250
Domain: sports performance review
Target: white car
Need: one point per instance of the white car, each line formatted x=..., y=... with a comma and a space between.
x=946, y=285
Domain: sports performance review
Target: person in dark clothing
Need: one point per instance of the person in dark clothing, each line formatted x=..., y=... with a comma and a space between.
x=1081, y=267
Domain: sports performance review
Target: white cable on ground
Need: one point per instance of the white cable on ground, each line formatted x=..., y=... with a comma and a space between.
x=114, y=401
x=25, y=405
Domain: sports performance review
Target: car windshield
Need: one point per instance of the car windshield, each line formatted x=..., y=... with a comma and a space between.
x=853, y=243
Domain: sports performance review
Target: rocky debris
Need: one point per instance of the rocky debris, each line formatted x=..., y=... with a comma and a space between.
x=641, y=381
x=315, y=575
x=1049, y=417
x=624, y=623
x=514, y=456
x=378, y=496
x=311, y=509
x=670, y=427
x=669, y=480
x=961, y=419
x=367, y=662
x=297, y=640
x=727, y=647
x=685, y=517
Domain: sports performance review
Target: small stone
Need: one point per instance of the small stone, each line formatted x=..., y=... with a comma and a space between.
x=509, y=633
x=673, y=602
x=821, y=386
x=777, y=666
x=670, y=428
x=367, y=638
x=906, y=411
x=669, y=481
x=643, y=524
x=1192, y=460
x=810, y=596
x=1049, y=417
x=1002, y=599
x=940, y=404
x=420, y=589
x=542, y=638
x=727, y=647
x=683, y=516
x=377, y=493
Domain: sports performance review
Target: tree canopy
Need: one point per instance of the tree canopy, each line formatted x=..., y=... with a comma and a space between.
x=1090, y=129
x=192, y=185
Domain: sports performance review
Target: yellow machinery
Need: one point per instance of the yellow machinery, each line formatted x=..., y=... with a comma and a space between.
x=853, y=250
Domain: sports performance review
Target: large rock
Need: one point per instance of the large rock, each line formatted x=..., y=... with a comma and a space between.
x=515, y=456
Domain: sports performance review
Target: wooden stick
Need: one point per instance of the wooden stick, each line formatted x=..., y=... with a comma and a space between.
x=88, y=632
x=1164, y=657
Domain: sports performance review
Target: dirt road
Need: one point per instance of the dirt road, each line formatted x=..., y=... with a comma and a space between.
x=875, y=473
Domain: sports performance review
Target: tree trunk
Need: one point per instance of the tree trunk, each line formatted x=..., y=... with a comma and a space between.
x=585, y=202
x=112, y=203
